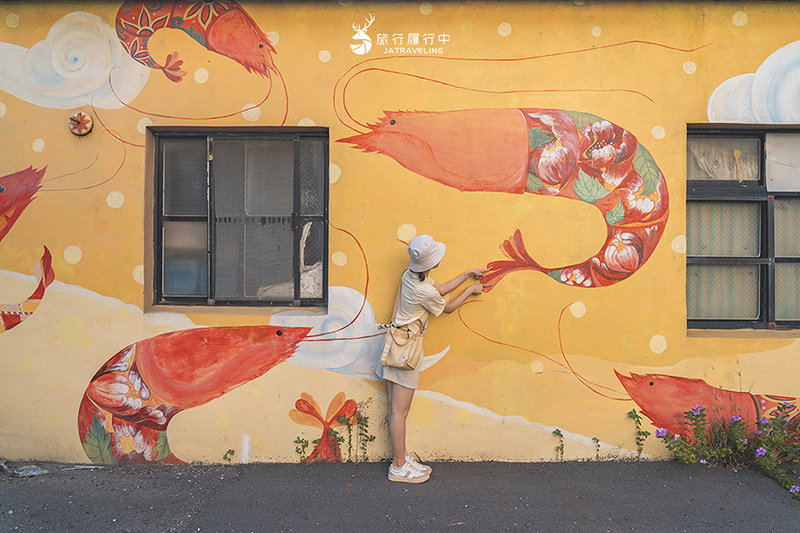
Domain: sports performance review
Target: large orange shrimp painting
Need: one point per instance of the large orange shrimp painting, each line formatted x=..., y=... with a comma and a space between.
x=131, y=400
x=547, y=152
x=223, y=27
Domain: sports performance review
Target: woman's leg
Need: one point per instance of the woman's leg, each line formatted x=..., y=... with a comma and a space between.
x=399, y=405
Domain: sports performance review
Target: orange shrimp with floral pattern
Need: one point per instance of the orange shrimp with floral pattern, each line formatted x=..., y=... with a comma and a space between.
x=547, y=152
x=308, y=413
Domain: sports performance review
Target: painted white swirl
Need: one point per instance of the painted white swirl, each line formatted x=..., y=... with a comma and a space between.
x=71, y=67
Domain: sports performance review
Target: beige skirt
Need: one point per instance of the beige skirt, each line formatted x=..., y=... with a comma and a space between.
x=405, y=378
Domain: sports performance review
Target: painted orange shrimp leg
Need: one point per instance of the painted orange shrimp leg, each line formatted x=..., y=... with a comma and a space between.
x=13, y=315
x=547, y=152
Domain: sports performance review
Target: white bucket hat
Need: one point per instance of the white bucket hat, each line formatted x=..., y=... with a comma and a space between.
x=425, y=253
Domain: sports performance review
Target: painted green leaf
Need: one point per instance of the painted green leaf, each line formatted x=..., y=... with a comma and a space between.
x=534, y=183
x=537, y=137
x=556, y=274
x=162, y=446
x=589, y=189
x=646, y=166
x=98, y=445
x=583, y=119
x=615, y=215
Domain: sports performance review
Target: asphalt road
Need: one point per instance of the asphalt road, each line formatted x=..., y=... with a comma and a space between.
x=547, y=497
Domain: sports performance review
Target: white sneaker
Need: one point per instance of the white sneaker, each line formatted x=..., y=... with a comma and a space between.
x=418, y=465
x=407, y=473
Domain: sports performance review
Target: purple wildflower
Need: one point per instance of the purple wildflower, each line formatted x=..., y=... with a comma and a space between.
x=744, y=440
x=757, y=432
x=703, y=462
x=736, y=418
x=676, y=437
x=764, y=420
x=760, y=451
x=661, y=432
x=697, y=409
x=794, y=489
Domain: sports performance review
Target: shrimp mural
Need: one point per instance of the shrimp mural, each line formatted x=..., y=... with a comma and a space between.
x=664, y=400
x=547, y=152
x=13, y=315
x=223, y=27
x=308, y=413
x=125, y=411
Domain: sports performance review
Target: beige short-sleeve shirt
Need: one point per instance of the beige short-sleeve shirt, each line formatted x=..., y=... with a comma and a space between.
x=418, y=299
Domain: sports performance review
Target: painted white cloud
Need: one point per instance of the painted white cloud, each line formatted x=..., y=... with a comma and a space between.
x=71, y=67
x=768, y=96
x=357, y=358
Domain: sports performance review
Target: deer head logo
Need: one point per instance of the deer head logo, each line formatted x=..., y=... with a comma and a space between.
x=365, y=43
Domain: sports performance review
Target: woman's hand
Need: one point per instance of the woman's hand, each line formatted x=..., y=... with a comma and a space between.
x=476, y=273
x=477, y=288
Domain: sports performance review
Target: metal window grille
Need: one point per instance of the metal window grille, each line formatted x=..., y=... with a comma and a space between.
x=241, y=217
x=743, y=228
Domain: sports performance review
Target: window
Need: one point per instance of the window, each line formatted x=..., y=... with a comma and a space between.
x=743, y=229
x=241, y=217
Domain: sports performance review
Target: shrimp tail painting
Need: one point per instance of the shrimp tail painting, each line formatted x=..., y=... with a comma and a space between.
x=547, y=152
x=126, y=408
x=16, y=193
x=308, y=413
x=665, y=400
x=13, y=315
x=223, y=27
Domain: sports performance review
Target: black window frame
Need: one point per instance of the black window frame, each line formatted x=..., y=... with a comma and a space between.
x=295, y=134
x=750, y=192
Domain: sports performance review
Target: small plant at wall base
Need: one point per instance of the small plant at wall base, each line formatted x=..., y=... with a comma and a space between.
x=228, y=455
x=641, y=435
x=560, y=447
x=302, y=446
x=774, y=441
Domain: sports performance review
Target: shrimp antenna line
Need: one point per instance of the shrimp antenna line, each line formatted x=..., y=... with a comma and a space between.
x=122, y=163
x=363, y=303
x=216, y=117
x=566, y=364
x=358, y=66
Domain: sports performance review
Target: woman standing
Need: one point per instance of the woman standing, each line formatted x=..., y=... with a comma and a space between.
x=419, y=298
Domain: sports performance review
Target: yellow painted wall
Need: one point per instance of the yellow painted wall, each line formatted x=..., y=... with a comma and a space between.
x=648, y=67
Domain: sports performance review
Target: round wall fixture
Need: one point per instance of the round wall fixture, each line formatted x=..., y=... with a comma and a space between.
x=80, y=123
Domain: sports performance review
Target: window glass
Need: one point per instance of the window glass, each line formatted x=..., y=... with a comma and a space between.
x=787, y=227
x=185, y=192
x=185, y=258
x=722, y=291
x=723, y=158
x=721, y=229
x=787, y=291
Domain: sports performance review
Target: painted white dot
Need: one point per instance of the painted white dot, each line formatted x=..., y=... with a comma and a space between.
x=679, y=244
x=12, y=20
x=324, y=56
x=345, y=3
x=273, y=37
x=658, y=132
x=306, y=122
x=579, y=2
x=251, y=112
x=689, y=67
x=138, y=274
x=577, y=308
x=658, y=343
x=201, y=75
x=72, y=255
x=339, y=259
x=739, y=18
x=143, y=124
x=426, y=8
x=537, y=367
x=115, y=199
x=406, y=232
x=504, y=29
x=596, y=31
x=38, y=145
x=334, y=172
x=2, y=109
